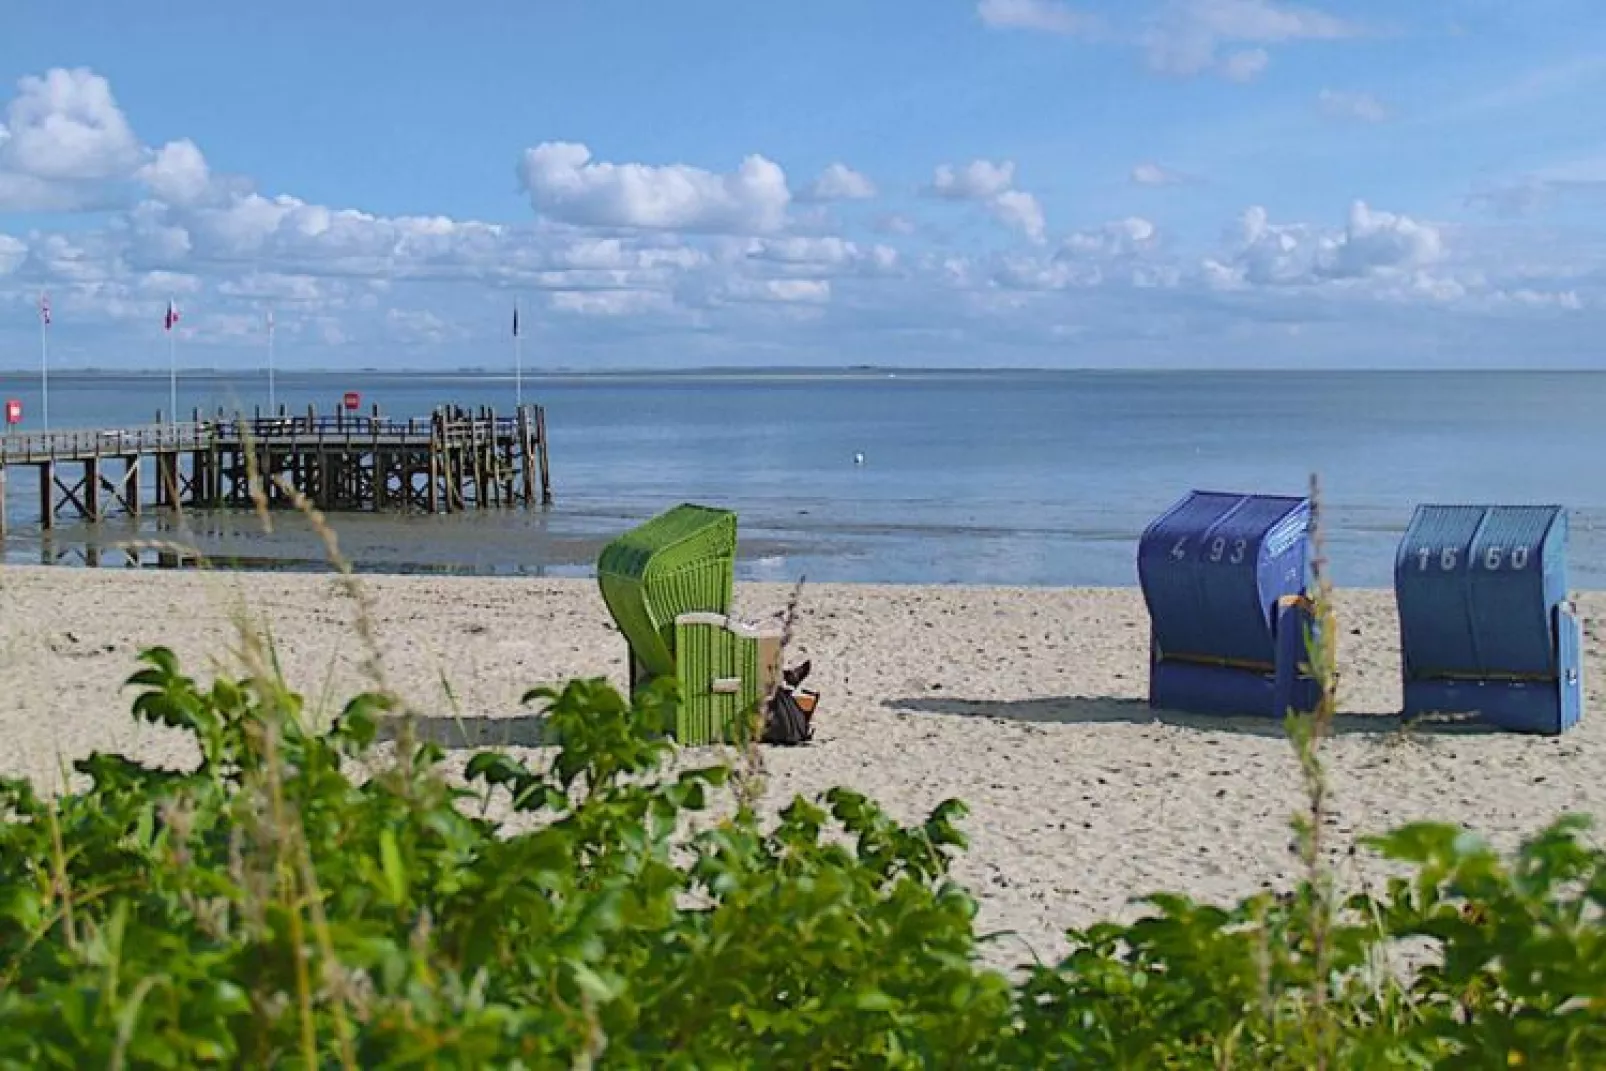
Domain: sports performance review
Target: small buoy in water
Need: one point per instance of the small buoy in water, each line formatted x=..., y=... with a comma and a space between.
x=858, y=459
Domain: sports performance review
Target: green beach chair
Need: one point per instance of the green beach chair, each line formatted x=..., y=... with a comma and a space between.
x=668, y=584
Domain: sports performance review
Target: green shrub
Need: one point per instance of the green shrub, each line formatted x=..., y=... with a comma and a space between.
x=269, y=907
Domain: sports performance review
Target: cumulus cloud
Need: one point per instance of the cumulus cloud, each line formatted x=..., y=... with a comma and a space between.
x=564, y=183
x=621, y=251
x=1364, y=107
x=1372, y=243
x=66, y=126
x=839, y=182
x=1376, y=241
x=1119, y=238
x=1020, y=211
x=177, y=173
x=993, y=184
x=975, y=181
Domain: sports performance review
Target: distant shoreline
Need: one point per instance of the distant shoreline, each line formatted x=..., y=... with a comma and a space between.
x=777, y=372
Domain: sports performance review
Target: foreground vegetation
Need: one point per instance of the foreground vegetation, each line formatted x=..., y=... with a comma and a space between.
x=265, y=908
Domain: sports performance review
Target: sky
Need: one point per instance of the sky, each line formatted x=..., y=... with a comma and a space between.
x=693, y=183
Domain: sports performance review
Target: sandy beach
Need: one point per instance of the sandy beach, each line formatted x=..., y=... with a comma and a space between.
x=1025, y=703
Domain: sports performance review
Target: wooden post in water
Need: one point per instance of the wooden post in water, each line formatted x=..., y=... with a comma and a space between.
x=546, y=475
x=91, y=503
x=47, y=494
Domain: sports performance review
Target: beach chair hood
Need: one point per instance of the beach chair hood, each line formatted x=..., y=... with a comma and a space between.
x=681, y=561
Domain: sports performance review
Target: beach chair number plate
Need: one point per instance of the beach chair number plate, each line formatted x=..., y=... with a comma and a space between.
x=1217, y=551
x=1494, y=559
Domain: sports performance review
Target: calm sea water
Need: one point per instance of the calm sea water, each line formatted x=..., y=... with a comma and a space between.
x=1006, y=478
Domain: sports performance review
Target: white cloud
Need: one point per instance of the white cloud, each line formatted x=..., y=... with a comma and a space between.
x=1376, y=241
x=822, y=253
x=564, y=183
x=1185, y=37
x=1372, y=244
x=609, y=303
x=1364, y=107
x=1049, y=16
x=633, y=261
x=1152, y=174
x=976, y=181
x=994, y=185
x=1020, y=211
x=839, y=182
x=177, y=173
x=1120, y=238
x=781, y=291
x=66, y=126
x=1190, y=37
x=276, y=288
x=13, y=251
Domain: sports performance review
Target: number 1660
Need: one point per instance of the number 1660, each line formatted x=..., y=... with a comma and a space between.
x=1493, y=557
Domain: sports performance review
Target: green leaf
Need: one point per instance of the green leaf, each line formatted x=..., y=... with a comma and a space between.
x=390, y=861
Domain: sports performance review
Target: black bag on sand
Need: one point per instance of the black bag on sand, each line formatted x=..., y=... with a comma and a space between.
x=790, y=718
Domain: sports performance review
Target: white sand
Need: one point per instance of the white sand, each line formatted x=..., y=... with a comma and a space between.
x=1027, y=704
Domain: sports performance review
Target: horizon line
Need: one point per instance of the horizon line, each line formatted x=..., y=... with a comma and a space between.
x=483, y=371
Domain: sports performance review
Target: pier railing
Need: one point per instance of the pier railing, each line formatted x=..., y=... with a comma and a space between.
x=72, y=444
x=78, y=443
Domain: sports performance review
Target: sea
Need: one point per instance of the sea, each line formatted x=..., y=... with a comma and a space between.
x=1020, y=478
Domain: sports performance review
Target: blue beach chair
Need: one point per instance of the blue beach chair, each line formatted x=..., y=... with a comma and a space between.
x=1224, y=577
x=1485, y=625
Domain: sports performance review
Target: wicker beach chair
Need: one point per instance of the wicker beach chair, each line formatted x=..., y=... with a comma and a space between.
x=1224, y=579
x=668, y=584
x=1486, y=627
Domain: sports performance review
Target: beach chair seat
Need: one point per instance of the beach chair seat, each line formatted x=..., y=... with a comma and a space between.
x=668, y=584
x=1486, y=628
x=1224, y=577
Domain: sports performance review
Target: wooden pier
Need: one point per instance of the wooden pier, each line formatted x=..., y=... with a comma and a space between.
x=450, y=461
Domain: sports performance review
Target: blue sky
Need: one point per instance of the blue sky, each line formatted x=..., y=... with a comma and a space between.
x=946, y=182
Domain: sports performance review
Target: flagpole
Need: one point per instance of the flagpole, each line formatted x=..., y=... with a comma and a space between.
x=172, y=364
x=518, y=357
x=44, y=359
x=273, y=408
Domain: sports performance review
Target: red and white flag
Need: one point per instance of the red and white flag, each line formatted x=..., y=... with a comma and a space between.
x=44, y=309
x=172, y=315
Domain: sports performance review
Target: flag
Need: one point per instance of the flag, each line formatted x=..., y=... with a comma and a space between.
x=515, y=321
x=44, y=309
x=172, y=315
x=270, y=321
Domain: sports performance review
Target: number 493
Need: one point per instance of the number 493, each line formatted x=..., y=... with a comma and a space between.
x=1219, y=549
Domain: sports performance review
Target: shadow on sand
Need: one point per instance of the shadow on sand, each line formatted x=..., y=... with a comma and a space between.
x=1097, y=710
x=524, y=730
